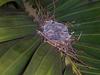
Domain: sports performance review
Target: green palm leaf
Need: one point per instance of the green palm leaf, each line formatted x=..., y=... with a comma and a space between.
x=15, y=25
x=15, y=58
x=45, y=61
x=4, y=1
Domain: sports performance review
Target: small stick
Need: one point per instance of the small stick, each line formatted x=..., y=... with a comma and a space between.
x=79, y=36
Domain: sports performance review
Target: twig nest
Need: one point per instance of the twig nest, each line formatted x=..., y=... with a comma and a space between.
x=56, y=31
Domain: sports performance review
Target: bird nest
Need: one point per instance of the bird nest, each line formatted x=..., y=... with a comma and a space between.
x=57, y=35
